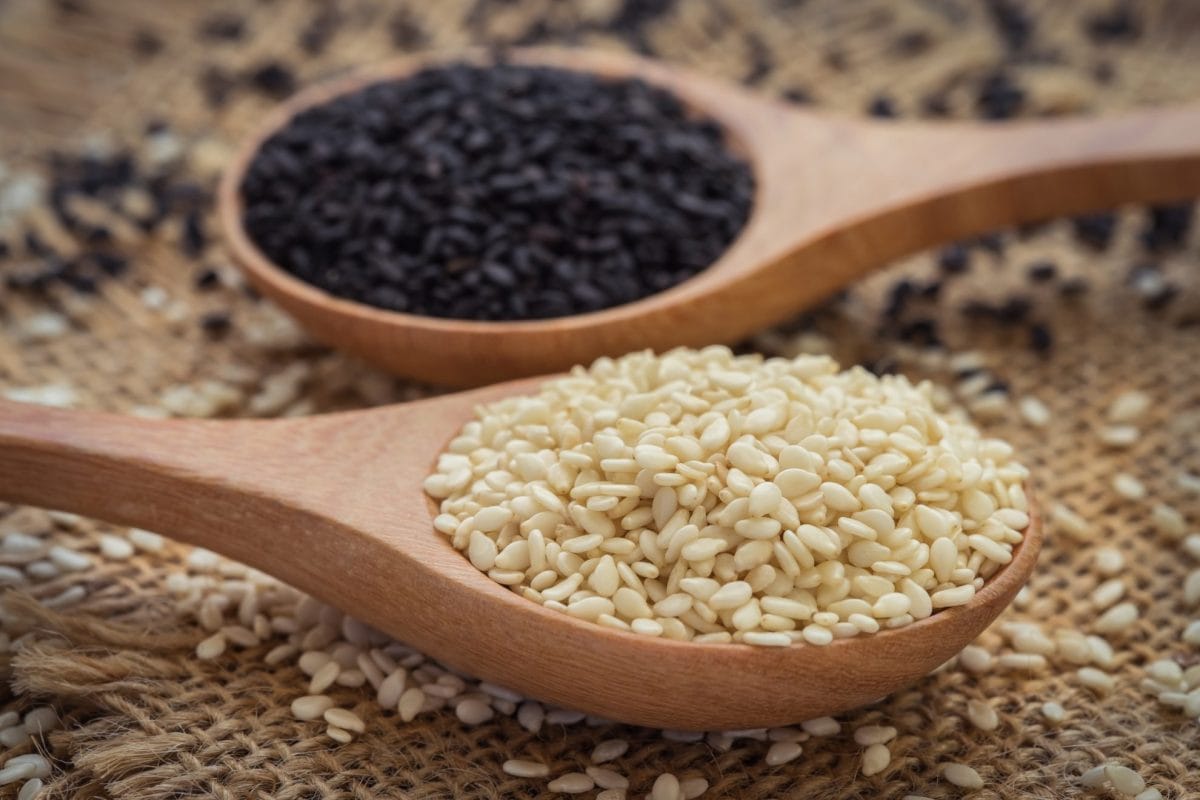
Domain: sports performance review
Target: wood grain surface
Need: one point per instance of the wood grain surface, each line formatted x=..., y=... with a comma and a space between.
x=334, y=505
x=836, y=198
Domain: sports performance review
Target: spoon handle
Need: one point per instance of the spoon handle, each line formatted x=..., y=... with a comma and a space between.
x=206, y=482
x=840, y=197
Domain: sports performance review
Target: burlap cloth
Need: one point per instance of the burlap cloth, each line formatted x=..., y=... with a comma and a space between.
x=146, y=720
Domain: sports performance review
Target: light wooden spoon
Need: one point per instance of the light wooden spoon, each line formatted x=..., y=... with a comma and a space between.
x=836, y=197
x=334, y=506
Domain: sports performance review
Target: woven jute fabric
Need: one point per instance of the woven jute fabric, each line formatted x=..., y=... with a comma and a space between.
x=144, y=719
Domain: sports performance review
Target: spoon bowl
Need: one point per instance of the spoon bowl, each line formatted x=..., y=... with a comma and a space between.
x=334, y=506
x=835, y=197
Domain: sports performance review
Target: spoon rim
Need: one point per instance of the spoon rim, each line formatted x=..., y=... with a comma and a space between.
x=1009, y=578
x=277, y=281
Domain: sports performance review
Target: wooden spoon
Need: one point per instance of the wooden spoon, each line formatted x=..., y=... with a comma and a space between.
x=334, y=506
x=836, y=197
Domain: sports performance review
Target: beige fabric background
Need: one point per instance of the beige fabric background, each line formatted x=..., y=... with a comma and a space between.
x=146, y=720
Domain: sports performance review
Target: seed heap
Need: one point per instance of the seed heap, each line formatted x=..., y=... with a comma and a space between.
x=715, y=498
x=497, y=193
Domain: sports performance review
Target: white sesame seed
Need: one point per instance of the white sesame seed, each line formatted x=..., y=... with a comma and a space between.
x=15, y=736
x=146, y=540
x=962, y=776
x=1168, y=521
x=982, y=715
x=571, y=783
x=211, y=648
x=1034, y=411
x=1109, y=561
x=1021, y=662
x=822, y=726
x=874, y=734
x=875, y=759
x=1094, y=777
x=1067, y=521
x=1120, y=435
x=68, y=560
x=40, y=720
x=782, y=752
x=340, y=735
x=30, y=789
x=410, y=704
x=1096, y=680
x=666, y=787
x=311, y=707
x=16, y=772
x=607, y=778
x=1129, y=406
x=473, y=712
x=523, y=768
x=1191, y=588
x=1124, y=780
x=609, y=750
x=1053, y=712
x=324, y=677
x=530, y=716
x=115, y=547
x=345, y=719
x=1116, y=619
x=1128, y=486
x=41, y=767
x=1108, y=593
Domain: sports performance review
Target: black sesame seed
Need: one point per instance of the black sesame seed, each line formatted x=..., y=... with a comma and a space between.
x=193, y=241
x=1075, y=287
x=222, y=26
x=1104, y=72
x=320, y=30
x=954, y=260
x=1013, y=24
x=217, y=84
x=405, y=31
x=883, y=107
x=207, y=279
x=998, y=386
x=912, y=43
x=1160, y=298
x=1095, y=230
x=272, y=78
x=931, y=290
x=215, y=323
x=991, y=242
x=1118, y=24
x=921, y=331
x=1042, y=271
x=108, y=263
x=761, y=63
x=935, y=105
x=797, y=95
x=1040, y=339
x=1015, y=309
x=1168, y=226
x=146, y=43
x=497, y=193
x=999, y=97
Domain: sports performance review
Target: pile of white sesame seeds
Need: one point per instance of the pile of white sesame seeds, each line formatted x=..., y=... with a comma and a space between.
x=710, y=497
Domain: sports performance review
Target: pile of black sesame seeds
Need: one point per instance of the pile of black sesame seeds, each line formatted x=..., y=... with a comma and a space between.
x=502, y=192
